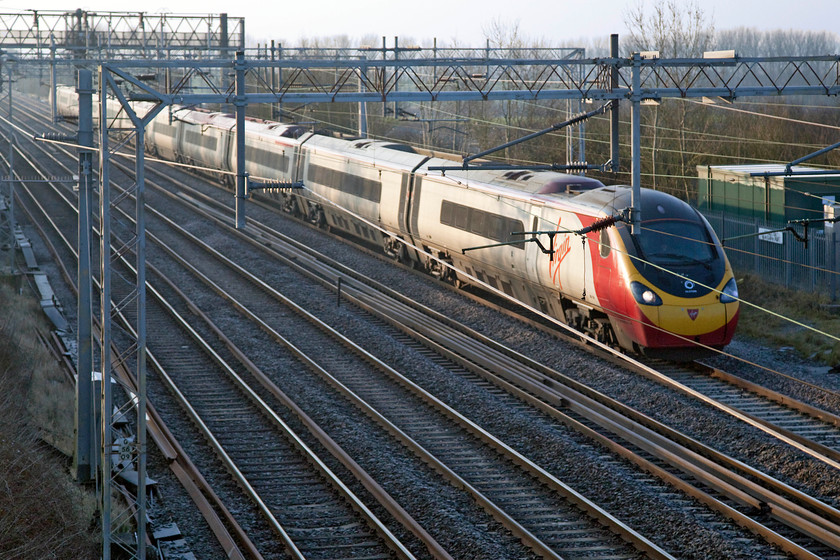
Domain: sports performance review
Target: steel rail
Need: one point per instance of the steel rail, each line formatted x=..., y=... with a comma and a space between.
x=820, y=452
x=458, y=348
x=290, y=545
x=593, y=510
x=387, y=536
x=775, y=396
x=391, y=505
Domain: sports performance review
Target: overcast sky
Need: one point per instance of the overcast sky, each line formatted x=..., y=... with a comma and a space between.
x=556, y=21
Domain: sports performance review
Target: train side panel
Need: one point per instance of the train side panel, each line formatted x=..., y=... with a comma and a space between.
x=571, y=268
x=162, y=136
x=205, y=140
x=447, y=217
x=343, y=187
x=66, y=102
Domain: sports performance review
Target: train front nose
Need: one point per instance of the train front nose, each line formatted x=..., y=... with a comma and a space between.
x=707, y=322
x=673, y=322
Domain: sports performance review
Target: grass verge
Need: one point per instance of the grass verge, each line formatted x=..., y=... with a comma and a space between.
x=805, y=308
x=43, y=512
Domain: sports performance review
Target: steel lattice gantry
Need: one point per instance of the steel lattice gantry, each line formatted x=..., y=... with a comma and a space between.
x=241, y=82
x=86, y=35
x=634, y=79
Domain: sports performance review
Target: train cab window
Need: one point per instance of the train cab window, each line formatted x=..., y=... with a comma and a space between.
x=605, y=243
x=673, y=242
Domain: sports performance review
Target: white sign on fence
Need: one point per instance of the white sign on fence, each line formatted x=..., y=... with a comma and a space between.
x=775, y=237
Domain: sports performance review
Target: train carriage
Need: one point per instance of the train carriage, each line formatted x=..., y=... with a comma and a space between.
x=677, y=284
x=271, y=150
x=205, y=139
x=361, y=178
x=162, y=136
x=459, y=210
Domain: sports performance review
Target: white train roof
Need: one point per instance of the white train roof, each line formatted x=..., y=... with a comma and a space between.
x=374, y=152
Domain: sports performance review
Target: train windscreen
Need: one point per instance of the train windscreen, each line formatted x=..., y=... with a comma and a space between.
x=675, y=242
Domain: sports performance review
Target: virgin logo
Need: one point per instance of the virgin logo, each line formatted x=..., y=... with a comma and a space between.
x=561, y=251
x=693, y=313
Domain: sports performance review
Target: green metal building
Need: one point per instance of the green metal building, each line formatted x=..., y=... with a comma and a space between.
x=743, y=190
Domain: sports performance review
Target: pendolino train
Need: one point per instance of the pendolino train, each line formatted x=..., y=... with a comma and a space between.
x=656, y=293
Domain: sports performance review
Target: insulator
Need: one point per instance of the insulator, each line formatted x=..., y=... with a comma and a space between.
x=58, y=137
x=603, y=223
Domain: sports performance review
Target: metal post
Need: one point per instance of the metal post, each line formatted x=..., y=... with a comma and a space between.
x=835, y=261
x=362, y=105
x=223, y=36
x=105, y=311
x=487, y=58
x=12, y=240
x=434, y=55
x=240, y=103
x=140, y=231
x=636, y=182
x=582, y=127
x=614, y=108
x=85, y=458
x=137, y=548
x=53, y=85
x=832, y=239
x=279, y=80
x=37, y=36
x=142, y=34
x=384, y=57
x=273, y=83
x=396, y=75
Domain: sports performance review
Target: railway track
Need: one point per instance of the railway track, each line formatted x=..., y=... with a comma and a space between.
x=482, y=365
x=436, y=329
x=309, y=499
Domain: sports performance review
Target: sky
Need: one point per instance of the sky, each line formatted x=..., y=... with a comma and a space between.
x=556, y=21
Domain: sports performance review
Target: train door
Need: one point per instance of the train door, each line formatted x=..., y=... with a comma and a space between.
x=298, y=173
x=540, y=265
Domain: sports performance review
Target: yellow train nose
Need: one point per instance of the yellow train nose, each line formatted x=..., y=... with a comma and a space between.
x=691, y=320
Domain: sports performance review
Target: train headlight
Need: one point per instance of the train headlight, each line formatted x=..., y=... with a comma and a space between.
x=644, y=295
x=730, y=292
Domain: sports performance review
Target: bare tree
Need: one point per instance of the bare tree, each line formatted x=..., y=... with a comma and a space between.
x=677, y=29
x=791, y=42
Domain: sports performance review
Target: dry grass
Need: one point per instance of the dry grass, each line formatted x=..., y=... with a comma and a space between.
x=805, y=308
x=43, y=513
